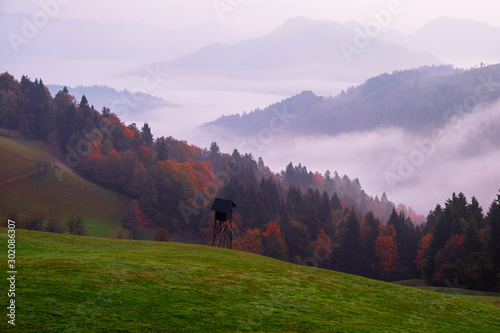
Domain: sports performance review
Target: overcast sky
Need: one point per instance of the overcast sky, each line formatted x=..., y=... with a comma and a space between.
x=260, y=16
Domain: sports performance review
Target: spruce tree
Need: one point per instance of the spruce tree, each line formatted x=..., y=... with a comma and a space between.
x=147, y=136
x=494, y=239
x=350, y=250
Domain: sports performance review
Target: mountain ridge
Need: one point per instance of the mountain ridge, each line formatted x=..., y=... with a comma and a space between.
x=299, y=48
x=379, y=101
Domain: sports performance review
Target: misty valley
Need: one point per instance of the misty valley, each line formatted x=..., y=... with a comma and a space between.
x=350, y=171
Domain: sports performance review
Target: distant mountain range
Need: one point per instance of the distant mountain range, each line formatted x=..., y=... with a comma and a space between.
x=411, y=99
x=308, y=49
x=300, y=49
x=79, y=39
x=453, y=40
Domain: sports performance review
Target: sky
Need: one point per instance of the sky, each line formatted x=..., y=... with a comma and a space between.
x=259, y=16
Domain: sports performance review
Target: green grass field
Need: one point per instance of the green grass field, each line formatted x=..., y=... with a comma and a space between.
x=481, y=296
x=85, y=284
x=28, y=194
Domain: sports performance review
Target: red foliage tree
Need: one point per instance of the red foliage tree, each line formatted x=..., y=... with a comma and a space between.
x=128, y=133
x=322, y=248
x=319, y=178
x=146, y=155
x=204, y=175
x=386, y=251
x=162, y=235
x=452, y=251
x=139, y=216
x=275, y=246
x=424, y=244
x=251, y=241
x=449, y=259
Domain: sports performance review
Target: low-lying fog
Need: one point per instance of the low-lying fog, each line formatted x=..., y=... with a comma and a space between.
x=417, y=169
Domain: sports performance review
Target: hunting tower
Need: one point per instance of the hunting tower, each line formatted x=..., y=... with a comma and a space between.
x=223, y=232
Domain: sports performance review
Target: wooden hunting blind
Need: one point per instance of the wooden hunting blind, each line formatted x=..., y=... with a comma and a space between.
x=223, y=233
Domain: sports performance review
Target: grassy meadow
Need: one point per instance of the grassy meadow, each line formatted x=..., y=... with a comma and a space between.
x=72, y=283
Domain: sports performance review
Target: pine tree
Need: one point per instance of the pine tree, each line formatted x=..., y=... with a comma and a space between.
x=161, y=148
x=350, y=250
x=335, y=202
x=369, y=243
x=147, y=136
x=325, y=215
x=475, y=212
x=494, y=239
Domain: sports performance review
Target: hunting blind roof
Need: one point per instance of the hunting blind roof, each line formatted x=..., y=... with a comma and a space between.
x=222, y=205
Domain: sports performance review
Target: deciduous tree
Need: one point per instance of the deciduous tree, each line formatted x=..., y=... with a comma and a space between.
x=251, y=241
x=387, y=252
x=274, y=243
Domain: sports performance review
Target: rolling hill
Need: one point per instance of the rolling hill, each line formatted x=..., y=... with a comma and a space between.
x=72, y=283
x=59, y=195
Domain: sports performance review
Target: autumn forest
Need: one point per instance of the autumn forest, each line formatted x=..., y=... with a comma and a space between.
x=297, y=215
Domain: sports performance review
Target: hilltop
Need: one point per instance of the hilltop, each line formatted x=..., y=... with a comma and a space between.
x=72, y=283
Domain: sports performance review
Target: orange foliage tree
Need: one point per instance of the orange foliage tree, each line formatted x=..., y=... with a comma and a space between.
x=424, y=244
x=146, y=155
x=322, y=247
x=386, y=251
x=274, y=243
x=251, y=241
x=205, y=178
x=162, y=235
x=128, y=133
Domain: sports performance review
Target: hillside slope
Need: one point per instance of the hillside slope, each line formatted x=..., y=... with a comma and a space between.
x=71, y=283
x=59, y=195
